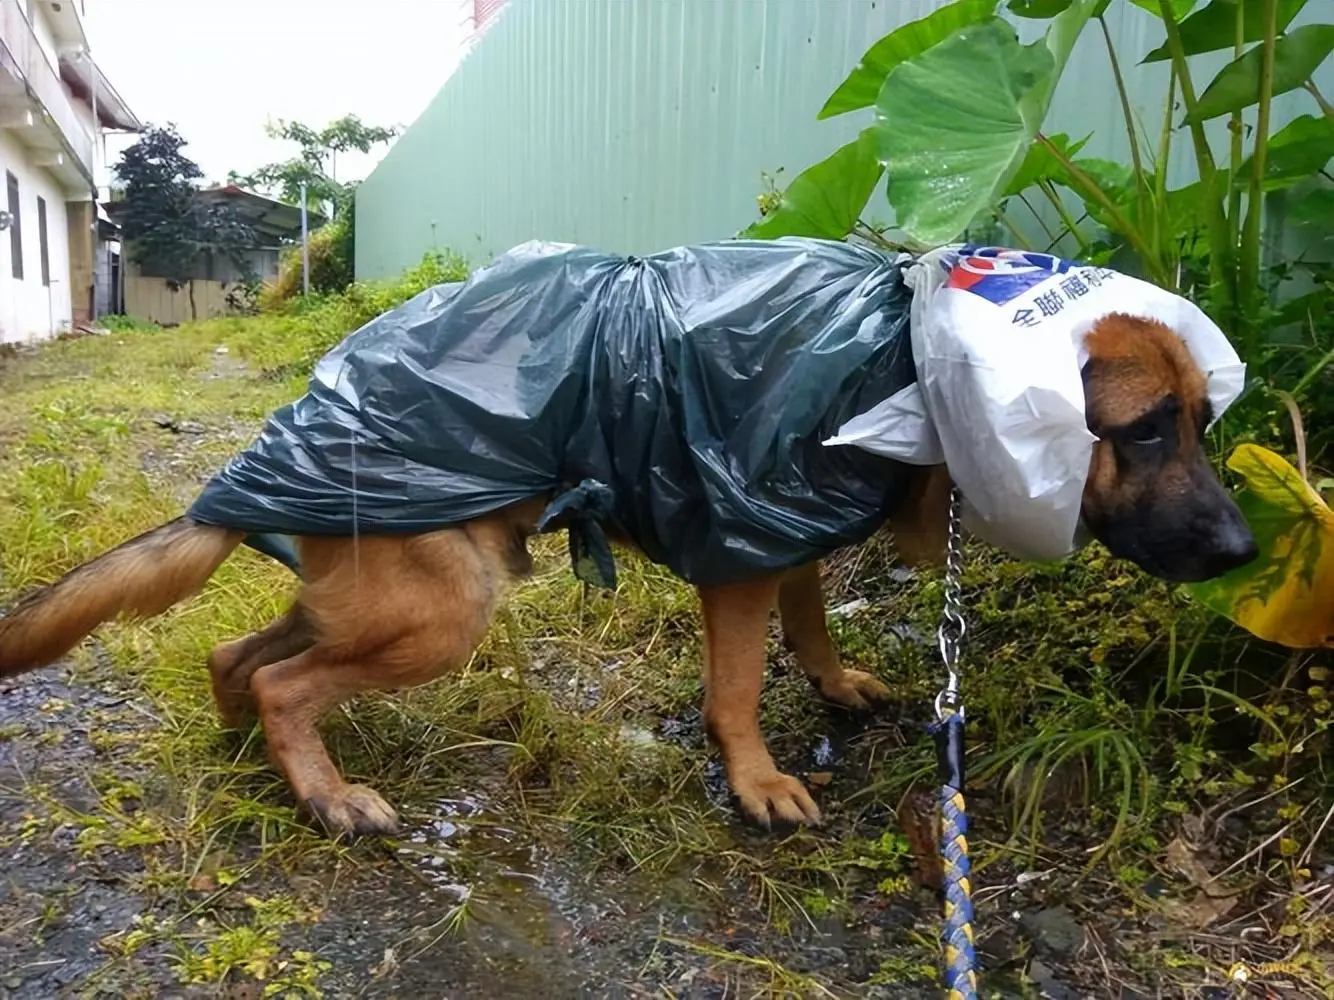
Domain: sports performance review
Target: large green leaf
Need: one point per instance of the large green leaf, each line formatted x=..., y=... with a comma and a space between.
x=1237, y=85
x=1038, y=8
x=1179, y=8
x=825, y=200
x=1215, y=27
x=1115, y=180
x=859, y=90
x=954, y=124
x=1301, y=148
x=1314, y=208
x=1286, y=595
x=1043, y=9
x=1186, y=212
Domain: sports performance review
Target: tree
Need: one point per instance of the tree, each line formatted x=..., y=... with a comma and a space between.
x=316, y=163
x=169, y=229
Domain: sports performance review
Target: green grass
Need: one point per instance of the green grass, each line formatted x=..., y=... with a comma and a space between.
x=1104, y=708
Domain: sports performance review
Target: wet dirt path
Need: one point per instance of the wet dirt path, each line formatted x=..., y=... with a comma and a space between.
x=463, y=906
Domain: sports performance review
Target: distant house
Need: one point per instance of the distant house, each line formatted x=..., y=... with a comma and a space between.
x=215, y=284
x=276, y=224
x=55, y=106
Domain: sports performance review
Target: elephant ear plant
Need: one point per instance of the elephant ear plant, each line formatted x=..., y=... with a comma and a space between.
x=1287, y=594
x=957, y=145
x=958, y=103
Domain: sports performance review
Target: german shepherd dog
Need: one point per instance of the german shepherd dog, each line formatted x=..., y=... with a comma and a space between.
x=388, y=612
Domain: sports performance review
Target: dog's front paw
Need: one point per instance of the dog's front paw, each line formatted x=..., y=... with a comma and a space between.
x=854, y=689
x=770, y=795
x=354, y=810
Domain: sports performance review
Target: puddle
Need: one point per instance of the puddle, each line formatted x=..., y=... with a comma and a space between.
x=478, y=910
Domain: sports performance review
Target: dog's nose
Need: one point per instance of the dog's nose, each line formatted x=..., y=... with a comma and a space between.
x=1234, y=545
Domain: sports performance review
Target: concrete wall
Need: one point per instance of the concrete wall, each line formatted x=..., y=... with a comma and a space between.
x=42, y=29
x=30, y=310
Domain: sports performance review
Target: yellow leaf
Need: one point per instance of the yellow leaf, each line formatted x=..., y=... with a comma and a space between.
x=1286, y=595
x=1273, y=480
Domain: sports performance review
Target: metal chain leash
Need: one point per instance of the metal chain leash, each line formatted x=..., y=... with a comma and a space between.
x=953, y=627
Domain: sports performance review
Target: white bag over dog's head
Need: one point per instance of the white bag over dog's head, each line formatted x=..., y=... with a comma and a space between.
x=998, y=342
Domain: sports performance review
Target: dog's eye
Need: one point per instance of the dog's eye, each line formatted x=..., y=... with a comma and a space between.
x=1149, y=440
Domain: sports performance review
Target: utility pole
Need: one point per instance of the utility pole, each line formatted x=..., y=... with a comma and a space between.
x=305, y=245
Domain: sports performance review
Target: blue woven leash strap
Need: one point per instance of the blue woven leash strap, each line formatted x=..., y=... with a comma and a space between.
x=960, y=956
x=960, y=973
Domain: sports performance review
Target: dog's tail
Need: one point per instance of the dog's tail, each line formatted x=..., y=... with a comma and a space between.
x=143, y=577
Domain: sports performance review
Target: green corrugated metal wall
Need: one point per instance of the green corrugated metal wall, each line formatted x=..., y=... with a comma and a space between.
x=636, y=125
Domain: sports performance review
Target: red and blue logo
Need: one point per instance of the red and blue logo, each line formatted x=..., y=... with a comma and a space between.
x=1000, y=275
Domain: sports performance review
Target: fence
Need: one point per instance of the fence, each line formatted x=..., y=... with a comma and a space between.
x=153, y=299
x=636, y=125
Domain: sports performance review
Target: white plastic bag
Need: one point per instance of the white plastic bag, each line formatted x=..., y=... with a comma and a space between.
x=998, y=341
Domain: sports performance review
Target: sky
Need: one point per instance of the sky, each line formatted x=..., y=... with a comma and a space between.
x=219, y=69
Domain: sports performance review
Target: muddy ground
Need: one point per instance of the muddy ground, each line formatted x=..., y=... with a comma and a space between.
x=97, y=900
x=541, y=925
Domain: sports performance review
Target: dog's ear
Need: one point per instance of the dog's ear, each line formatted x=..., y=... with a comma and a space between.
x=1133, y=365
x=921, y=523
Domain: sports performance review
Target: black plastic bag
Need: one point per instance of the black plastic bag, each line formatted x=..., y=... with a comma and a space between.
x=680, y=398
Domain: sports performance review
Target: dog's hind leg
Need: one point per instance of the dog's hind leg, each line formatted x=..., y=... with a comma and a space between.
x=387, y=613
x=292, y=696
x=736, y=618
x=231, y=664
x=801, y=610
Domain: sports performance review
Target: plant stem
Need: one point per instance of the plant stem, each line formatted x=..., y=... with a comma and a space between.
x=1160, y=169
x=1249, y=265
x=1019, y=241
x=1221, y=251
x=1090, y=186
x=1054, y=196
x=1046, y=229
x=1298, y=432
x=1235, y=126
x=866, y=232
x=1125, y=98
x=1314, y=91
x=1203, y=154
x=1142, y=184
x=1051, y=247
x=1313, y=373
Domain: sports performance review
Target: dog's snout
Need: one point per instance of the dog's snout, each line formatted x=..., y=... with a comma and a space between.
x=1234, y=544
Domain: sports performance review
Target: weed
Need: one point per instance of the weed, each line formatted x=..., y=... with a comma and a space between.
x=782, y=982
x=215, y=954
x=906, y=972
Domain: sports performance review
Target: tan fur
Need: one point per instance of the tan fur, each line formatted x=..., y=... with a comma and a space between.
x=1151, y=362
x=143, y=577
x=1141, y=362
x=388, y=612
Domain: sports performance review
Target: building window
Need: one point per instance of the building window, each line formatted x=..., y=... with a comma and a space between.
x=41, y=241
x=15, y=228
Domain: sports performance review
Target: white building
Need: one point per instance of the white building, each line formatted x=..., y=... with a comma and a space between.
x=55, y=106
